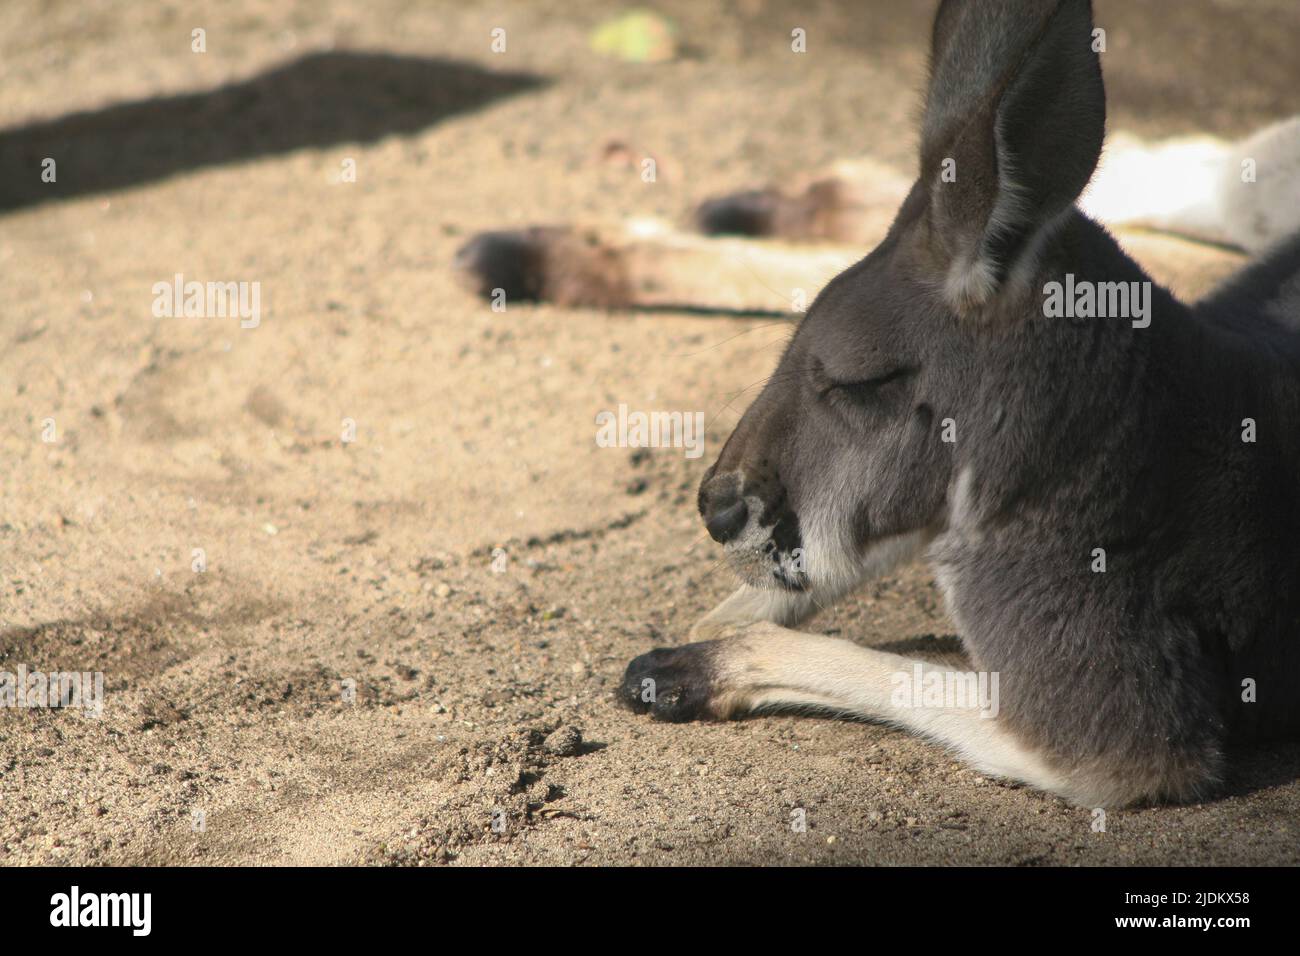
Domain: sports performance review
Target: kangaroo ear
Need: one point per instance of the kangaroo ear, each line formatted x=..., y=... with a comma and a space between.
x=1014, y=121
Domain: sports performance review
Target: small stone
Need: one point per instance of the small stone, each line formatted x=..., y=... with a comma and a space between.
x=564, y=741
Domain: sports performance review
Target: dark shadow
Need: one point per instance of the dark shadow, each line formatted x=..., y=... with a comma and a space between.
x=1261, y=767
x=319, y=100
x=927, y=647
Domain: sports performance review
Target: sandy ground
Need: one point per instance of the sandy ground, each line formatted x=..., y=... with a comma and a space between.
x=369, y=564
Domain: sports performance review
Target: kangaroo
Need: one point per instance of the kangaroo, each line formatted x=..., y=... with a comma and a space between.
x=756, y=250
x=1165, y=448
x=1107, y=489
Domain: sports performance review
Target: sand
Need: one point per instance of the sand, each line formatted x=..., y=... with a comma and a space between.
x=402, y=647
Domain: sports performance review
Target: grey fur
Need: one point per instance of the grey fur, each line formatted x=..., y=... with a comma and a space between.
x=1071, y=434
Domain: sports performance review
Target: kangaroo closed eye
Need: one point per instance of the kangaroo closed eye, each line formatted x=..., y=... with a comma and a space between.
x=864, y=389
x=877, y=380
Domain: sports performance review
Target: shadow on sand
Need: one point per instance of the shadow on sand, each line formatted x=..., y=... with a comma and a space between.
x=318, y=100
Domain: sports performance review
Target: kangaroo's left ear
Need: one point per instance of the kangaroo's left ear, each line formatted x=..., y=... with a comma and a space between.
x=1014, y=121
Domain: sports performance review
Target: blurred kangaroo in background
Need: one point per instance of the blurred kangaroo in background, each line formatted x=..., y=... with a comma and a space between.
x=1240, y=196
x=1232, y=197
x=1109, y=495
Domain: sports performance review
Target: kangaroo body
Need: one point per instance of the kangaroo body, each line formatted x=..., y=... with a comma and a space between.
x=1109, y=493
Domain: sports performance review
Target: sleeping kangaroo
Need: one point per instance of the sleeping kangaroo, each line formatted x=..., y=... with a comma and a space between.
x=1105, y=480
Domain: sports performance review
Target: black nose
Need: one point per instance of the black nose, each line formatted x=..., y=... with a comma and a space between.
x=726, y=518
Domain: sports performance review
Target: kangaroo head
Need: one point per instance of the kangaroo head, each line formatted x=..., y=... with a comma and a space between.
x=847, y=457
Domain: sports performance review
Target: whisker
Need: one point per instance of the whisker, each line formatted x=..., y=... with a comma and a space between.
x=697, y=542
x=713, y=570
x=764, y=382
x=765, y=325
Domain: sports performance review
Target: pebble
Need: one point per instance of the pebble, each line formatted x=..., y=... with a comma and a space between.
x=564, y=741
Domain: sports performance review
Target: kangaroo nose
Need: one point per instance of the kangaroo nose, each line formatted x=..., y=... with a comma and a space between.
x=726, y=519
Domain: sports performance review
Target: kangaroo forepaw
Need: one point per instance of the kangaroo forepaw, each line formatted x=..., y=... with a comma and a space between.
x=674, y=684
